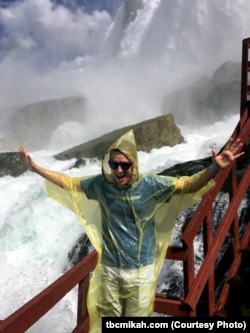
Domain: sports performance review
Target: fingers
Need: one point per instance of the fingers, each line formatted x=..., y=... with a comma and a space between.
x=21, y=150
x=238, y=155
x=214, y=152
x=229, y=143
x=233, y=145
x=24, y=153
x=25, y=157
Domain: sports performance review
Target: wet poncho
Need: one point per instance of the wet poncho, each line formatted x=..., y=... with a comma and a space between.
x=130, y=226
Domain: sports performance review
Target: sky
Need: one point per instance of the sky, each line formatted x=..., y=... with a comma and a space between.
x=48, y=33
x=39, y=36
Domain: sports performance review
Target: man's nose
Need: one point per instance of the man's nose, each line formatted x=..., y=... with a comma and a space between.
x=119, y=168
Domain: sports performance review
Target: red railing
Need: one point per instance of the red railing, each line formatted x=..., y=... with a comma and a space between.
x=200, y=287
x=203, y=286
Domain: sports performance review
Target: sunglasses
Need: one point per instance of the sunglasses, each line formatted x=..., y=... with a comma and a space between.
x=124, y=165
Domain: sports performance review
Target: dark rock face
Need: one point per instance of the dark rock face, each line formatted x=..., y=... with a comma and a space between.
x=208, y=99
x=80, y=250
x=11, y=165
x=33, y=124
x=154, y=133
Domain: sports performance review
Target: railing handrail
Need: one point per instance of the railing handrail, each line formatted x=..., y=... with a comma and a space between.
x=33, y=310
x=197, y=285
x=197, y=219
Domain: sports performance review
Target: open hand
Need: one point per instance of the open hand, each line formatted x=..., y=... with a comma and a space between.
x=230, y=152
x=25, y=158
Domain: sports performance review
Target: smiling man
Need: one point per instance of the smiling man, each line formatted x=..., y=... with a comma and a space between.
x=129, y=218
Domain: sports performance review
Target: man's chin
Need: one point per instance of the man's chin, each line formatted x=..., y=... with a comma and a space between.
x=121, y=181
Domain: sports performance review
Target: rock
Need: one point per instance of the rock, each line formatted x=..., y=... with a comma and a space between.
x=11, y=165
x=209, y=99
x=32, y=125
x=154, y=133
x=82, y=247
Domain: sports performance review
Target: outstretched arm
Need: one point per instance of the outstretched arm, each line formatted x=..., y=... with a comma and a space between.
x=57, y=178
x=230, y=152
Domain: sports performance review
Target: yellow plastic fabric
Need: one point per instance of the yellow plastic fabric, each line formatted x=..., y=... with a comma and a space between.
x=88, y=212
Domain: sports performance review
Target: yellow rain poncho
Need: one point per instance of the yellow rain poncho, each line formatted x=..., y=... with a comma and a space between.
x=130, y=226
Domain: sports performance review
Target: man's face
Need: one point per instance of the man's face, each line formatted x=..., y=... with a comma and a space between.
x=121, y=168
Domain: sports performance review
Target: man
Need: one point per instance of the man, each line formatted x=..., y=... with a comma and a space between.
x=129, y=218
